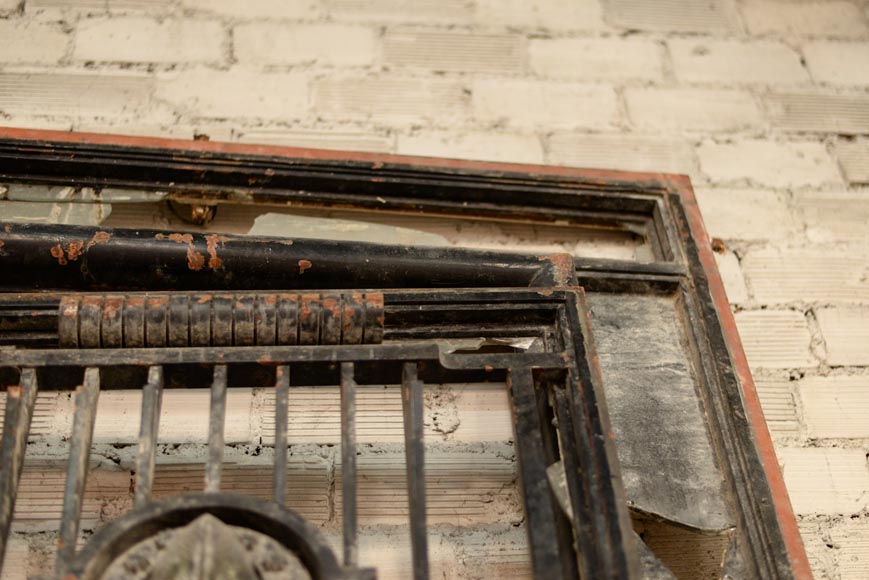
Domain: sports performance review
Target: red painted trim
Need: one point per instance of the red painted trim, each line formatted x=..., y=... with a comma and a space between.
x=784, y=511
x=676, y=183
x=593, y=175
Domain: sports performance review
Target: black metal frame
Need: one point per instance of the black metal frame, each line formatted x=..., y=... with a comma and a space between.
x=659, y=206
x=561, y=379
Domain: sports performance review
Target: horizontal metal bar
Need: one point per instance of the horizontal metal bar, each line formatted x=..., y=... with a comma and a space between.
x=272, y=356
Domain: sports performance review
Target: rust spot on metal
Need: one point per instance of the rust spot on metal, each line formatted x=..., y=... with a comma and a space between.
x=304, y=265
x=57, y=252
x=563, y=264
x=100, y=238
x=74, y=250
x=305, y=309
x=111, y=307
x=332, y=306
x=211, y=241
x=204, y=298
x=489, y=368
x=158, y=302
x=718, y=245
x=349, y=319
x=269, y=299
x=181, y=238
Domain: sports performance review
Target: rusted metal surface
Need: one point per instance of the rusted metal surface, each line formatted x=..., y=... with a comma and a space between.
x=219, y=319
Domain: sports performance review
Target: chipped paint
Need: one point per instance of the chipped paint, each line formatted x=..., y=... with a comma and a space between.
x=211, y=241
x=99, y=238
x=304, y=265
x=57, y=252
x=74, y=250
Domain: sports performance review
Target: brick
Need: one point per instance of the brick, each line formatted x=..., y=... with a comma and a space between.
x=781, y=276
x=26, y=41
x=626, y=152
x=140, y=39
x=833, y=216
x=327, y=139
x=169, y=128
x=271, y=9
x=16, y=562
x=389, y=98
x=557, y=15
x=838, y=63
x=75, y=94
x=672, y=15
x=768, y=163
x=329, y=44
x=779, y=407
x=787, y=18
x=825, y=481
x=692, y=109
x=821, y=554
x=422, y=11
x=531, y=104
x=83, y=7
x=746, y=214
x=210, y=93
x=9, y=6
x=79, y=214
x=596, y=58
x=846, y=332
x=46, y=422
x=775, y=339
x=731, y=276
x=454, y=51
x=487, y=146
x=854, y=160
x=843, y=114
x=729, y=61
x=851, y=538
x=836, y=406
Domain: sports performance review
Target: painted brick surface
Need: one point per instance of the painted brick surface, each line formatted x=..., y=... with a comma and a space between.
x=834, y=216
x=819, y=18
x=735, y=62
x=854, y=159
x=677, y=110
x=396, y=99
x=838, y=63
x=766, y=162
x=672, y=15
x=812, y=275
x=851, y=538
x=846, y=332
x=779, y=407
x=557, y=15
x=324, y=139
x=746, y=214
x=836, y=406
x=775, y=339
x=483, y=145
x=731, y=275
x=599, y=58
x=454, y=51
x=267, y=43
x=618, y=151
x=828, y=481
x=32, y=42
x=142, y=39
x=423, y=11
x=272, y=9
x=545, y=104
x=819, y=113
x=208, y=93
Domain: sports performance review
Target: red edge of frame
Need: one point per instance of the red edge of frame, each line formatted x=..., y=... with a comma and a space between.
x=784, y=511
x=676, y=183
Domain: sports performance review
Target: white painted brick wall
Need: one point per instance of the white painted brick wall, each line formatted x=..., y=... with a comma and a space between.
x=838, y=63
x=142, y=39
x=763, y=103
x=734, y=62
x=32, y=42
x=264, y=43
x=765, y=162
x=693, y=110
x=599, y=58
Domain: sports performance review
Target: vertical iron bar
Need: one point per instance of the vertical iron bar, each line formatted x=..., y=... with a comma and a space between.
x=152, y=401
x=282, y=407
x=348, y=463
x=414, y=448
x=539, y=502
x=20, y=402
x=86, y=399
x=215, y=429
